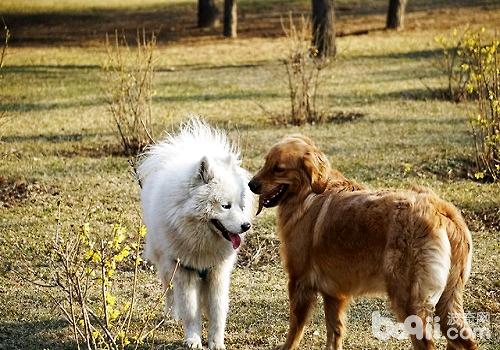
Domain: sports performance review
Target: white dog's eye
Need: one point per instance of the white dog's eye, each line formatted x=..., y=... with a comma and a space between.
x=226, y=206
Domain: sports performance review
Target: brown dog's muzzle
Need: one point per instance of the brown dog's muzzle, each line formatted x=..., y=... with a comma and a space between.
x=269, y=198
x=255, y=186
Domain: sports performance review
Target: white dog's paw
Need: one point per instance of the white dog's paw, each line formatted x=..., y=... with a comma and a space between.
x=216, y=345
x=193, y=342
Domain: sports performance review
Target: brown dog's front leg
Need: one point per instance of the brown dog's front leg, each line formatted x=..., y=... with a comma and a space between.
x=334, y=316
x=301, y=300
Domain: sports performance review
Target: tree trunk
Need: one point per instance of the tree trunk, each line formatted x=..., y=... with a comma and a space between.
x=207, y=13
x=230, y=18
x=323, y=21
x=396, y=14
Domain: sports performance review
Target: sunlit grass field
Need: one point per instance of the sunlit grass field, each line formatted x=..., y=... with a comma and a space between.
x=60, y=144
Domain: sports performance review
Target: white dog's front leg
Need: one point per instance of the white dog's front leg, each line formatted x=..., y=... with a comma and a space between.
x=218, y=305
x=187, y=303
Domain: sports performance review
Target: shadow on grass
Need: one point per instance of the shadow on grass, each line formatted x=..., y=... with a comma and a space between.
x=418, y=54
x=347, y=100
x=75, y=148
x=47, y=106
x=197, y=67
x=422, y=94
x=47, y=68
x=238, y=95
x=33, y=335
x=54, y=138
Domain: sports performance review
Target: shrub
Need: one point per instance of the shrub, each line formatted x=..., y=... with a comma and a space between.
x=130, y=75
x=303, y=68
x=80, y=278
x=451, y=62
x=484, y=83
x=472, y=66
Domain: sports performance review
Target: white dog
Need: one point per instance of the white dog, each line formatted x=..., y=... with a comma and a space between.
x=196, y=206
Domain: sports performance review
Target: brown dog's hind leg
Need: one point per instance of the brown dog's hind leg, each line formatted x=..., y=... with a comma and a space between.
x=301, y=302
x=415, y=314
x=416, y=320
x=335, y=324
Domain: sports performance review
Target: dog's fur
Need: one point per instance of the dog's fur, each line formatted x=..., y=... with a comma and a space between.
x=342, y=240
x=187, y=180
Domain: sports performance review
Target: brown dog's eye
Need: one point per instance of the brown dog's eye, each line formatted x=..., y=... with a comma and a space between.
x=278, y=169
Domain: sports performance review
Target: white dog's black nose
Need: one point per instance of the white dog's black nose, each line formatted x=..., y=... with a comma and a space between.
x=245, y=227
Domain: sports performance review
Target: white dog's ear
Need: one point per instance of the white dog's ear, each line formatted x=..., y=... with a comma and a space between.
x=205, y=171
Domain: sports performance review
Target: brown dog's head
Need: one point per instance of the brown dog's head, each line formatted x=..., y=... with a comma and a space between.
x=292, y=166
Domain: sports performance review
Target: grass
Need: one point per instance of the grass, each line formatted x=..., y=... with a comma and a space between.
x=60, y=141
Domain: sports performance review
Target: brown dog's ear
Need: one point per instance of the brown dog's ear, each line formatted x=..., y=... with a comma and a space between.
x=316, y=166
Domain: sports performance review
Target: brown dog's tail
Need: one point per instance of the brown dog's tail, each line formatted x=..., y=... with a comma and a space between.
x=449, y=308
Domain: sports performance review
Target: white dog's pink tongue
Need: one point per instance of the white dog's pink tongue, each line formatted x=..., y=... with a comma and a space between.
x=235, y=240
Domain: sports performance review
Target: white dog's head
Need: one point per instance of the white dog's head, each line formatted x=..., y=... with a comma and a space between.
x=222, y=198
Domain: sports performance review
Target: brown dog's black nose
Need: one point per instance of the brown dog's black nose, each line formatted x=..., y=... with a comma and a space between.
x=245, y=227
x=255, y=187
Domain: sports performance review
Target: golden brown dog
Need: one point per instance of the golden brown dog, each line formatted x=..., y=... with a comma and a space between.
x=341, y=240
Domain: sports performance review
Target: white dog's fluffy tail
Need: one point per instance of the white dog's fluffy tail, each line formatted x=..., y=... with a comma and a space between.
x=194, y=140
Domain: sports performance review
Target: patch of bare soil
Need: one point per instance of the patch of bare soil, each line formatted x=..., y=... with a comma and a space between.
x=94, y=151
x=484, y=219
x=259, y=251
x=447, y=168
x=15, y=191
x=344, y=117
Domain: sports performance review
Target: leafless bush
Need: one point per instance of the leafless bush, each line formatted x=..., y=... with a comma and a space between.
x=5, y=44
x=80, y=277
x=130, y=74
x=303, y=68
